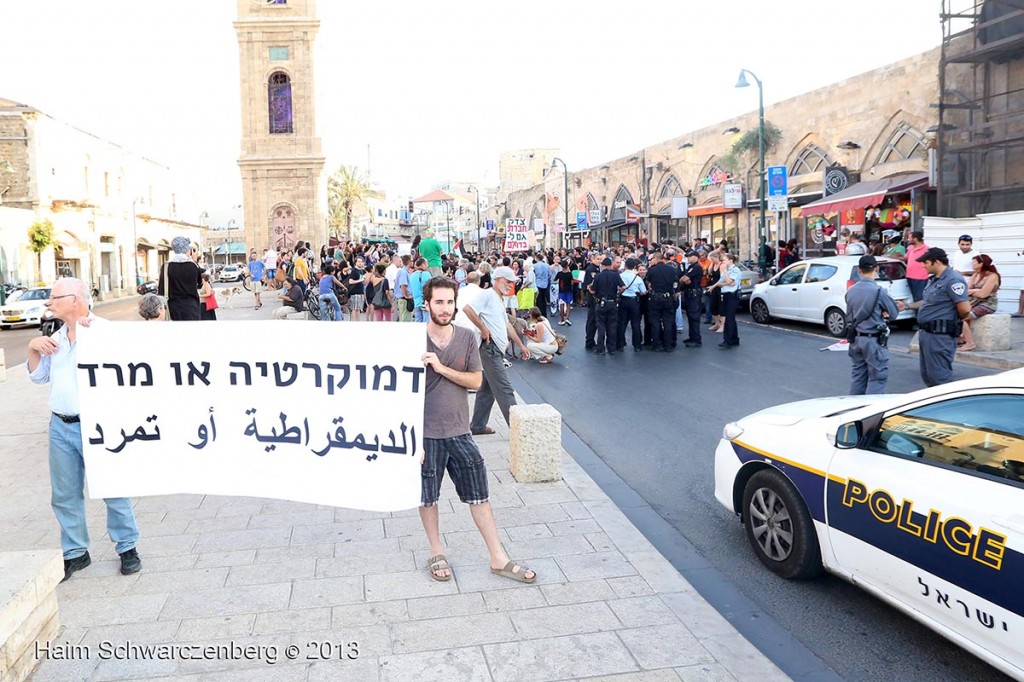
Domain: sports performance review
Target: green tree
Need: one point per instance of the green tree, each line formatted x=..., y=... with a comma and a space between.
x=40, y=238
x=347, y=191
x=744, y=151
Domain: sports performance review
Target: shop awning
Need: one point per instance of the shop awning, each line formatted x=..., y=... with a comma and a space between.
x=864, y=194
x=609, y=224
x=709, y=209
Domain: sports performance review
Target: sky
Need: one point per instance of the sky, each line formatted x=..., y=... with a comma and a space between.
x=425, y=92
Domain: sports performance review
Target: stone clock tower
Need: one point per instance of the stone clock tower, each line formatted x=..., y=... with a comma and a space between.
x=281, y=160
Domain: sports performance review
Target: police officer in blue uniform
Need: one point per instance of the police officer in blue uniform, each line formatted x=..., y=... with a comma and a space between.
x=629, y=306
x=692, y=292
x=662, y=281
x=939, y=316
x=605, y=288
x=588, y=280
x=867, y=308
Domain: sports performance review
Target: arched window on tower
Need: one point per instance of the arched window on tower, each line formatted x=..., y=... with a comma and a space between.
x=811, y=160
x=280, y=98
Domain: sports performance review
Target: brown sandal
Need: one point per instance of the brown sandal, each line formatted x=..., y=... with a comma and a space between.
x=436, y=564
x=519, y=576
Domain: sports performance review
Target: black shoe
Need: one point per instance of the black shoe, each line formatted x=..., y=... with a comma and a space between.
x=598, y=351
x=612, y=352
x=638, y=349
x=692, y=344
x=130, y=562
x=76, y=564
x=727, y=346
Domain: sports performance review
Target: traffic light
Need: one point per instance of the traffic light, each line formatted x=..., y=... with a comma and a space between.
x=410, y=207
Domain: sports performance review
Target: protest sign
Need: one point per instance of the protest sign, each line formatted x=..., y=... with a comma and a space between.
x=321, y=413
x=515, y=235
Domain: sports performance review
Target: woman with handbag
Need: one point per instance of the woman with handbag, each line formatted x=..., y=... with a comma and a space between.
x=208, y=299
x=382, y=300
x=181, y=280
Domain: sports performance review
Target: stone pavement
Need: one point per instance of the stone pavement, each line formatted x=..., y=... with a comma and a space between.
x=1002, y=359
x=270, y=574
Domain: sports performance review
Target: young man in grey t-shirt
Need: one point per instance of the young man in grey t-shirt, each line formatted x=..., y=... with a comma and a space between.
x=453, y=366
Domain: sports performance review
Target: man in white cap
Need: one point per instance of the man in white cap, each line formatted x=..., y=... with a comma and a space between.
x=485, y=315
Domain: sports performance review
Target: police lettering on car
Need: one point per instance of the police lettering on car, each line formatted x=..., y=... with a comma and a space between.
x=939, y=316
x=868, y=306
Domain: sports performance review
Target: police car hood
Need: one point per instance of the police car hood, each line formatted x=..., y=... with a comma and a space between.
x=792, y=413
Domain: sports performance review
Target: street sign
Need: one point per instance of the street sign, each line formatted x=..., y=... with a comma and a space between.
x=595, y=216
x=778, y=203
x=515, y=235
x=732, y=195
x=490, y=225
x=581, y=220
x=778, y=181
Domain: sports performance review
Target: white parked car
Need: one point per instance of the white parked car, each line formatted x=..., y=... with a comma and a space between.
x=231, y=273
x=917, y=498
x=27, y=310
x=815, y=291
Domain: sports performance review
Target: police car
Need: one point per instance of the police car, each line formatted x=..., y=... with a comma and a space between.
x=917, y=498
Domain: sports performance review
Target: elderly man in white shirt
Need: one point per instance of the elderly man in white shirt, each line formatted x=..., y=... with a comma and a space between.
x=961, y=258
x=482, y=312
x=54, y=360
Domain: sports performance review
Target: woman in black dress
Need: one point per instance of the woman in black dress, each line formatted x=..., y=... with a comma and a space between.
x=181, y=280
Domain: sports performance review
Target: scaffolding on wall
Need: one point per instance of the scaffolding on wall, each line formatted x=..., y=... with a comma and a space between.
x=980, y=134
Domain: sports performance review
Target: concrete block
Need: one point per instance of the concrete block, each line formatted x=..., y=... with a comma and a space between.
x=535, y=443
x=992, y=332
x=28, y=608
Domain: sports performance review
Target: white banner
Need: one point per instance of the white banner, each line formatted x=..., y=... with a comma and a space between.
x=680, y=208
x=515, y=235
x=322, y=413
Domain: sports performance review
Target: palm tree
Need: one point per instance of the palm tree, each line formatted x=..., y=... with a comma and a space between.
x=347, y=191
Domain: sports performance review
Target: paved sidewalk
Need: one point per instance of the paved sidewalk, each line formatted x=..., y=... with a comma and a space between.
x=267, y=573
x=1001, y=359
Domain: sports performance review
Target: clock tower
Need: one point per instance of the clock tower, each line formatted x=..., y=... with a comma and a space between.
x=281, y=160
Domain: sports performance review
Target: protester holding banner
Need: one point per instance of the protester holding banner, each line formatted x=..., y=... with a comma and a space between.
x=53, y=360
x=453, y=366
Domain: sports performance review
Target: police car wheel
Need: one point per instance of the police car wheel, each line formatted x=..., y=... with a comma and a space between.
x=835, y=322
x=779, y=527
x=759, y=311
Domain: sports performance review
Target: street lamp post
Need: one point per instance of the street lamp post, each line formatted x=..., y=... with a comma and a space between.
x=565, y=198
x=448, y=220
x=227, y=254
x=477, y=192
x=135, y=238
x=742, y=83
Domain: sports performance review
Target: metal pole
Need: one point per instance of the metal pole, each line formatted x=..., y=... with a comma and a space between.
x=135, y=244
x=760, y=143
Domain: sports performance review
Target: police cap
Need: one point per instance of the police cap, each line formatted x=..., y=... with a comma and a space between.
x=867, y=263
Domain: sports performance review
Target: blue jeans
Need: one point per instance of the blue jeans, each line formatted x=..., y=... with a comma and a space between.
x=67, y=496
x=420, y=314
x=706, y=307
x=330, y=307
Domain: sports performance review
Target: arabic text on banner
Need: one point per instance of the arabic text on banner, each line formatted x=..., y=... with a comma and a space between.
x=321, y=413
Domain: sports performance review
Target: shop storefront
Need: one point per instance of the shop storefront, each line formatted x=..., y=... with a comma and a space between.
x=714, y=222
x=877, y=209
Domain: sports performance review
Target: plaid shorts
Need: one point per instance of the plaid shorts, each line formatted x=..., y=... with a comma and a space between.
x=461, y=457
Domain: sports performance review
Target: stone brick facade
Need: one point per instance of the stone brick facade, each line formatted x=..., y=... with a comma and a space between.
x=282, y=172
x=875, y=110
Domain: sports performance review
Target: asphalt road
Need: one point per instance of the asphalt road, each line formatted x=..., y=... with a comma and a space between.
x=656, y=419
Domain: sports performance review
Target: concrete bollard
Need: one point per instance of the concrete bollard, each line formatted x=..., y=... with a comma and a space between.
x=535, y=443
x=992, y=332
x=3, y=366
